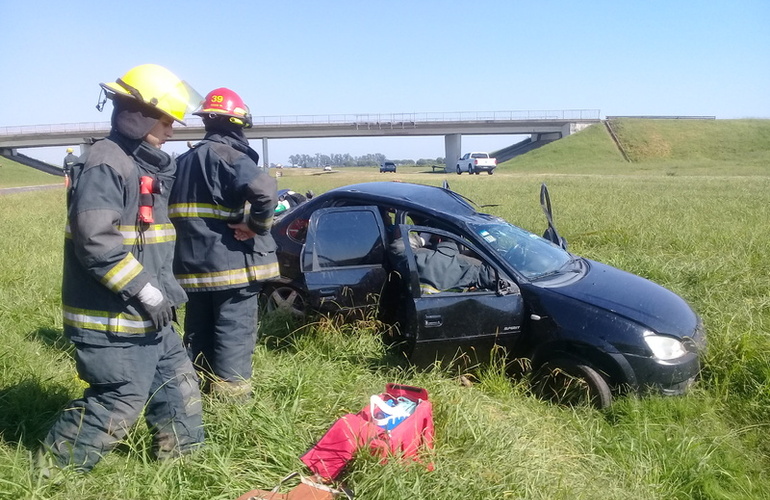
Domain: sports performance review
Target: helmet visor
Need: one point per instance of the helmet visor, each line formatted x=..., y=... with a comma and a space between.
x=176, y=100
x=179, y=101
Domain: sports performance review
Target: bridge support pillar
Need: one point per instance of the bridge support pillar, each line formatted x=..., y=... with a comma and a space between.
x=265, y=161
x=452, y=151
x=571, y=128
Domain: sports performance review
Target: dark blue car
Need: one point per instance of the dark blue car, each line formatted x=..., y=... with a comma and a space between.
x=585, y=331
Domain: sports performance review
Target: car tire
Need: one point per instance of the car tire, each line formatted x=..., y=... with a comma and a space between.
x=458, y=170
x=284, y=298
x=571, y=383
x=490, y=172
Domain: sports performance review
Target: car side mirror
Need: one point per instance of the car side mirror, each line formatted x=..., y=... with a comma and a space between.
x=504, y=287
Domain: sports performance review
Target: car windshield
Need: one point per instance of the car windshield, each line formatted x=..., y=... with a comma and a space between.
x=529, y=254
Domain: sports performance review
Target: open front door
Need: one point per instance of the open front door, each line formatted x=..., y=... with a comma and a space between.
x=460, y=301
x=343, y=259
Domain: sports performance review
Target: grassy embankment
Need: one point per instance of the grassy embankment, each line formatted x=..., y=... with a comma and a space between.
x=684, y=214
x=13, y=174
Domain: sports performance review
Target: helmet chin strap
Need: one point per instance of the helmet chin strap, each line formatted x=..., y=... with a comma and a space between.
x=101, y=100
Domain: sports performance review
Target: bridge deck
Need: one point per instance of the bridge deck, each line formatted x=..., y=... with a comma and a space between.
x=314, y=126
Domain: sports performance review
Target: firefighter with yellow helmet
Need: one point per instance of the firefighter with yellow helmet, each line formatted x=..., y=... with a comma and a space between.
x=118, y=291
x=222, y=205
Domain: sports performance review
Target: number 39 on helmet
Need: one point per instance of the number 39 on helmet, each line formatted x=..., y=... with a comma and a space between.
x=158, y=88
x=225, y=102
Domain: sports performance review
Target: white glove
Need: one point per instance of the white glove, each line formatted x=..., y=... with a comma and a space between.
x=149, y=295
x=156, y=306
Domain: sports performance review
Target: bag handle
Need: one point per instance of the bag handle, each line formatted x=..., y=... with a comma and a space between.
x=407, y=391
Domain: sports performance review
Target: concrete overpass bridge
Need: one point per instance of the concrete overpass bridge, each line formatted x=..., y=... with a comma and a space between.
x=546, y=125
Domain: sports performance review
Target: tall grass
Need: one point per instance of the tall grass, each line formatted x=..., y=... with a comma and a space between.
x=701, y=236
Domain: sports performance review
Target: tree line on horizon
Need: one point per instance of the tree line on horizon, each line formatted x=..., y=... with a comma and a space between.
x=319, y=160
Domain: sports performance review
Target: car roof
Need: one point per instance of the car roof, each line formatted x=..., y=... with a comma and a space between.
x=419, y=196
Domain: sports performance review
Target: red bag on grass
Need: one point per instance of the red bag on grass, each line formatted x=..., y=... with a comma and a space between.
x=355, y=431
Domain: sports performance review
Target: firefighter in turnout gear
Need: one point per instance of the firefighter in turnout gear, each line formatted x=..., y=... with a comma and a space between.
x=222, y=206
x=118, y=290
x=67, y=165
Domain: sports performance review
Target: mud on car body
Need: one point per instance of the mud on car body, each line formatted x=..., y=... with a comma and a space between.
x=588, y=330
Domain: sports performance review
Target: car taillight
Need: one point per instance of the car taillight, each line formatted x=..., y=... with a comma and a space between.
x=297, y=230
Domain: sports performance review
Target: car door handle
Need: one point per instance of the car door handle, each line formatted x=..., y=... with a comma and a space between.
x=328, y=293
x=433, y=321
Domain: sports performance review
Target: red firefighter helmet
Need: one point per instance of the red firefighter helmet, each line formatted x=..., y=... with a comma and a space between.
x=225, y=102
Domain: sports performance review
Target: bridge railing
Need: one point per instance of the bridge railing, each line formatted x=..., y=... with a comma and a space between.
x=366, y=118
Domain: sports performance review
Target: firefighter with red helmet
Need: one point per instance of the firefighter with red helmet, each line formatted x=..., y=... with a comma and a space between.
x=222, y=206
x=118, y=291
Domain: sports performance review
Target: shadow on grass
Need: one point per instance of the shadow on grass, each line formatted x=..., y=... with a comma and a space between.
x=53, y=337
x=28, y=409
x=282, y=332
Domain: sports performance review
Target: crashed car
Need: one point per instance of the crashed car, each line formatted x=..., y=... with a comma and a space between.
x=587, y=331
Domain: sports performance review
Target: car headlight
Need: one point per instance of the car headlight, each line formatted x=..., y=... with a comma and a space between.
x=664, y=348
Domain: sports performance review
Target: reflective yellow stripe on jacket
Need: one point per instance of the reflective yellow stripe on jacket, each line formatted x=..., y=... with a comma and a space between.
x=155, y=233
x=104, y=321
x=228, y=278
x=204, y=211
x=121, y=273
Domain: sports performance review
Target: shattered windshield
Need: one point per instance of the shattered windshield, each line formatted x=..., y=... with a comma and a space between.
x=531, y=255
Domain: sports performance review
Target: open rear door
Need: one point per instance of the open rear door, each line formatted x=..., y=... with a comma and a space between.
x=343, y=259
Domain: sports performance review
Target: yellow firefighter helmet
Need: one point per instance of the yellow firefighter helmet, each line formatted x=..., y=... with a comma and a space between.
x=158, y=88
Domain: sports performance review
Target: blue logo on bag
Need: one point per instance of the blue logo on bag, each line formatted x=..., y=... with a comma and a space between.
x=391, y=412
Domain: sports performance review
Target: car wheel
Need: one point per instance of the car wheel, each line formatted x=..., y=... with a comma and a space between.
x=458, y=170
x=284, y=298
x=490, y=172
x=571, y=383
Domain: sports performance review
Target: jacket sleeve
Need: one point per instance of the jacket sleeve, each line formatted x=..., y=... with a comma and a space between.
x=260, y=190
x=94, y=218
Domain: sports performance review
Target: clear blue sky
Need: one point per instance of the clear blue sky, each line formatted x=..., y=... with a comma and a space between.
x=652, y=57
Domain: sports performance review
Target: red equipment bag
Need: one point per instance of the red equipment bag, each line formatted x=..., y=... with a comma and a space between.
x=337, y=447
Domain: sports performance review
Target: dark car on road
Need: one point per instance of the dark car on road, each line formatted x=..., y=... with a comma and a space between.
x=585, y=331
x=388, y=166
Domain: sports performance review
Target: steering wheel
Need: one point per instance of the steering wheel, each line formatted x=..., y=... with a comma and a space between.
x=517, y=255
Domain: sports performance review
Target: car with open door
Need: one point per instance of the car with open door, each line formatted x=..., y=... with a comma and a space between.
x=587, y=331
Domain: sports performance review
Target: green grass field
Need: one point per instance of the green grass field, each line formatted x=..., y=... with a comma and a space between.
x=693, y=219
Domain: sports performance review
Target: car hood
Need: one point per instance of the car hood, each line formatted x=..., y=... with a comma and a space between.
x=633, y=297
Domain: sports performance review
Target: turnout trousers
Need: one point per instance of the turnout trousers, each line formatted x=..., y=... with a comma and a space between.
x=221, y=331
x=125, y=379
